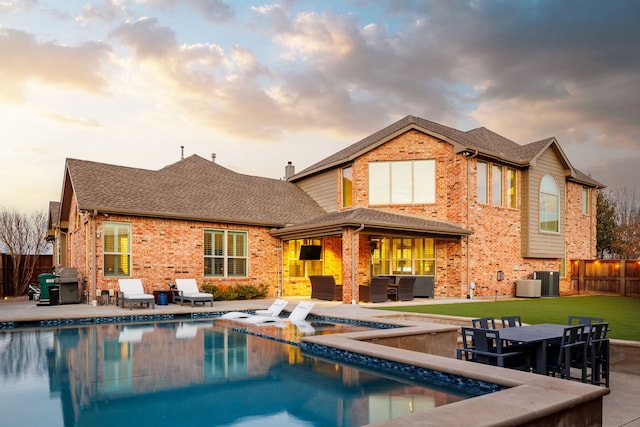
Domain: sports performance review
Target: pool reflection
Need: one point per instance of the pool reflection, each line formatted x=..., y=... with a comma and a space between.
x=206, y=373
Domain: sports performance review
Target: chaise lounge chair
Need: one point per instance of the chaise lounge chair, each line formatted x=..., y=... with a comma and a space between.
x=297, y=315
x=273, y=311
x=131, y=290
x=188, y=291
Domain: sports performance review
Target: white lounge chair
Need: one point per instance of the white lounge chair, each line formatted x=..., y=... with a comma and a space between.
x=188, y=291
x=131, y=290
x=273, y=311
x=297, y=315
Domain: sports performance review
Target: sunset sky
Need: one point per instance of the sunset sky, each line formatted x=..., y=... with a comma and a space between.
x=129, y=82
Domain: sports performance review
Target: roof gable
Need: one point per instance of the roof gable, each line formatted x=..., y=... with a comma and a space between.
x=479, y=141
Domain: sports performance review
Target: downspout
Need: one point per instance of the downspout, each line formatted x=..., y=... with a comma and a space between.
x=94, y=274
x=469, y=157
x=353, y=263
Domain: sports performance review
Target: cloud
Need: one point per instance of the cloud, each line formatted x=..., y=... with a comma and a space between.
x=25, y=59
x=107, y=11
x=147, y=38
x=211, y=10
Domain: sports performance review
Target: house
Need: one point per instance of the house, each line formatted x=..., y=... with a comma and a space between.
x=415, y=198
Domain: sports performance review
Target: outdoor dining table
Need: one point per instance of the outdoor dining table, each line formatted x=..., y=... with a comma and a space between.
x=538, y=337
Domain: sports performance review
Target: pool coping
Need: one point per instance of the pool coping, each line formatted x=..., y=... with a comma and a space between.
x=528, y=398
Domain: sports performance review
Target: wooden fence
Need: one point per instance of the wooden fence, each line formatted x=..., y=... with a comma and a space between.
x=606, y=277
x=43, y=265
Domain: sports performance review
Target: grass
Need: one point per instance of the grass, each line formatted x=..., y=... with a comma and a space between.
x=622, y=313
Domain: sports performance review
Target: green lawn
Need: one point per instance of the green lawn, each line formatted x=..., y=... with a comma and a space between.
x=623, y=314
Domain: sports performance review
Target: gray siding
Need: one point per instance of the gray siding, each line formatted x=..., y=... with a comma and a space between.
x=323, y=188
x=537, y=244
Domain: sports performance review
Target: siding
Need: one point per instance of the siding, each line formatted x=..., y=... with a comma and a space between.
x=535, y=243
x=323, y=188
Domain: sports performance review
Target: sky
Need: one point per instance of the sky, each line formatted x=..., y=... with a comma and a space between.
x=141, y=83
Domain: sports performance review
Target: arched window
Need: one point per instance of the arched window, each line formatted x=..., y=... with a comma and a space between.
x=549, y=205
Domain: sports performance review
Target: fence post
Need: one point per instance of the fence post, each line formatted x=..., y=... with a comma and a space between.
x=581, y=268
x=623, y=278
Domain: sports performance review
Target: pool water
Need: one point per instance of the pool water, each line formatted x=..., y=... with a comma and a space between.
x=193, y=373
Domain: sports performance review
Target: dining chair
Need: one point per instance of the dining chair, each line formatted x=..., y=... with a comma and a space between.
x=598, y=354
x=484, y=323
x=583, y=320
x=487, y=348
x=571, y=353
x=511, y=321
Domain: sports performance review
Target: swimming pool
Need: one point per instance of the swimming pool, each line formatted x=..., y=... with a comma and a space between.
x=192, y=373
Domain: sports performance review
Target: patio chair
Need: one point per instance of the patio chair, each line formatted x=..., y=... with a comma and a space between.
x=299, y=314
x=406, y=287
x=598, y=354
x=571, y=353
x=484, y=323
x=131, y=290
x=511, y=321
x=274, y=310
x=188, y=291
x=583, y=320
x=324, y=287
x=486, y=347
x=376, y=291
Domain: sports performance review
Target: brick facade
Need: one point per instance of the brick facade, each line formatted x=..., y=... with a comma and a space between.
x=491, y=256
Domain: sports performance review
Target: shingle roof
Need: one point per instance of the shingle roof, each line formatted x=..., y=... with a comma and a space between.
x=481, y=140
x=372, y=219
x=192, y=188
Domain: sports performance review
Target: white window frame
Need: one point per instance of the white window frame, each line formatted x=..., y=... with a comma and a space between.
x=549, y=205
x=222, y=254
x=402, y=182
x=119, y=253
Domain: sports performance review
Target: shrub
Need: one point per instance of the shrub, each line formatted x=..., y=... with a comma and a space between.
x=239, y=292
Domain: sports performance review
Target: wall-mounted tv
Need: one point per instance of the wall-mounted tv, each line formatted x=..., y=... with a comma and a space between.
x=310, y=252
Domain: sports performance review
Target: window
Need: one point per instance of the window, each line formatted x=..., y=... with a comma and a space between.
x=511, y=188
x=225, y=253
x=549, y=205
x=303, y=268
x=403, y=256
x=117, y=249
x=482, y=192
x=496, y=185
x=403, y=182
x=347, y=187
x=585, y=201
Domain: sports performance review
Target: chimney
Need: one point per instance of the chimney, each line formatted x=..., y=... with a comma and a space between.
x=289, y=171
x=213, y=157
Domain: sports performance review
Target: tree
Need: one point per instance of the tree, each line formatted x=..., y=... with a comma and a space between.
x=606, y=225
x=23, y=236
x=626, y=244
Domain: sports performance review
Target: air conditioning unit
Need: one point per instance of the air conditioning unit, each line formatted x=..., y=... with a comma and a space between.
x=550, y=282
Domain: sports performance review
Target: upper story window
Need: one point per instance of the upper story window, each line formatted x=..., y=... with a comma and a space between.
x=116, y=249
x=347, y=187
x=402, y=182
x=225, y=253
x=549, y=205
x=511, y=188
x=482, y=190
x=502, y=191
x=585, y=201
x=496, y=185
